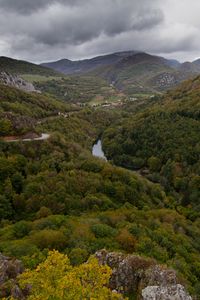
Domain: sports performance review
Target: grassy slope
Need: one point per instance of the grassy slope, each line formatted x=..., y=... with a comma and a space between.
x=14, y=66
x=79, y=89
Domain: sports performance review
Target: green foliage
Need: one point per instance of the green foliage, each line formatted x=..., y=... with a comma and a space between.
x=5, y=127
x=154, y=164
x=56, y=277
x=14, y=66
x=78, y=89
x=78, y=256
x=21, y=229
x=164, y=141
x=6, y=210
x=103, y=230
x=55, y=195
x=48, y=238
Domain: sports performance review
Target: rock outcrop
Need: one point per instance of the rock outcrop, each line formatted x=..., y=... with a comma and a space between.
x=132, y=274
x=9, y=270
x=140, y=276
x=17, y=82
x=171, y=292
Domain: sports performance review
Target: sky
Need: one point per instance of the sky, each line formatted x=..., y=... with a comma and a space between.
x=48, y=30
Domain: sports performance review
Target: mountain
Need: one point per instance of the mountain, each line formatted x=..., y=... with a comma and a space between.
x=135, y=73
x=34, y=78
x=22, y=74
x=15, y=66
x=196, y=63
x=67, y=66
x=144, y=73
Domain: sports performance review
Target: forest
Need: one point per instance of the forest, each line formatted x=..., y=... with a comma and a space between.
x=54, y=195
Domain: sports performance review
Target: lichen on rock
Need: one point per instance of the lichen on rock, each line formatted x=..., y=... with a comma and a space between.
x=170, y=292
x=133, y=274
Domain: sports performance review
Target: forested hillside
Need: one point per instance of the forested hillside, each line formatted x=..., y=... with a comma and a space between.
x=163, y=141
x=55, y=195
x=20, y=111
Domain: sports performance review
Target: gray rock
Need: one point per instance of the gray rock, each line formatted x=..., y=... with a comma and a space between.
x=171, y=292
x=17, y=82
x=134, y=274
x=9, y=270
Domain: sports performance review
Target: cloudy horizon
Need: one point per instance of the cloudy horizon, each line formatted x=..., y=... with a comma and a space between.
x=48, y=30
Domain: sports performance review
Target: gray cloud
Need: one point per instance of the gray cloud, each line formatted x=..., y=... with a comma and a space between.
x=28, y=6
x=49, y=29
x=60, y=23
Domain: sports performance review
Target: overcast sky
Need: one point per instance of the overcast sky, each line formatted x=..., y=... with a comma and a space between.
x=45, y=30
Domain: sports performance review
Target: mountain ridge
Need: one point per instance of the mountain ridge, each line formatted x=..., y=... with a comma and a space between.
x=16, y=66
x=133, y=72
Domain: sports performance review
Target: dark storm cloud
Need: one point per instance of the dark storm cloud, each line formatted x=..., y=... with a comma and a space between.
x=84, y=23
x=29, y=6
x=49, y=29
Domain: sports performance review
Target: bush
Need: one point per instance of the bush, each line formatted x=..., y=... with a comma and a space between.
x=77, y=256
x=51, y=239
x=126, y=240
x=21, y=229
x=154, y=164
x=103, y=230
x=43, y=212
x=18, y=248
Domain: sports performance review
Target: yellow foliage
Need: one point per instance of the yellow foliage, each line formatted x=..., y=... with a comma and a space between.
x=56, y=279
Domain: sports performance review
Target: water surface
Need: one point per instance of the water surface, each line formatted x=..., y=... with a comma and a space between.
x=97, y=150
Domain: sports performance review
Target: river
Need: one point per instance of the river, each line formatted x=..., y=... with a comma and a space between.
x=97, y=150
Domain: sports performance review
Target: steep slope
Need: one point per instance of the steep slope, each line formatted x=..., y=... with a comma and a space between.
x=144, y=73
x=16, y=81
x=165, y=140
x=22, y=74
x=20, y=111
x=15, y=66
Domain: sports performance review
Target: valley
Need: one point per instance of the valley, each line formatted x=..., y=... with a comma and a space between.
x=96, y=164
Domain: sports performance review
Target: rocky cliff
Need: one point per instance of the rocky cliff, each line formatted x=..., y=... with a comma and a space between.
x=142, y=277
x=132, y=275
x=16, y=81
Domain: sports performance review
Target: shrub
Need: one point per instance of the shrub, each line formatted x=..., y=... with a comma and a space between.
x=22, y=229
x=77, y=256
x=126, y=240
x=47, y=238
x=102, y=230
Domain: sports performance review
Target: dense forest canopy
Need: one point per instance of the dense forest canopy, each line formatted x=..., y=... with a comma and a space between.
x=55, y=195
x=164, y=139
